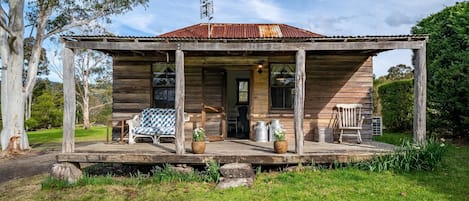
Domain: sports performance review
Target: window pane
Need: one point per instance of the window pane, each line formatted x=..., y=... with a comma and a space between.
x=282, y=75
x=164, y=80
x=277, y=97
x=243, y=91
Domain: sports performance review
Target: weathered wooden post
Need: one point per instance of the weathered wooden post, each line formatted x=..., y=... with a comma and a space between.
x=300, y=78
x=420, y=94
x=179, y=102
x=68, y=171
x=68, y=140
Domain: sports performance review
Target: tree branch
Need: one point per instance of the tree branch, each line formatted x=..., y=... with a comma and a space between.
x=3, y=17
x=98, y=106
x=73, y=25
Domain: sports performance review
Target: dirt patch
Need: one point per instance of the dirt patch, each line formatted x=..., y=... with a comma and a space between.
x=30, y=164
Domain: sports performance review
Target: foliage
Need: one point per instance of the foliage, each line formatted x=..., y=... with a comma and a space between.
x=447, y=69
x=279, y=134
x=47, y=110
x=212, y=171
x=198, y=135
x=47, y=106
x=399, y=72
x=393, y=138
x=397, y=105
x=408, y=157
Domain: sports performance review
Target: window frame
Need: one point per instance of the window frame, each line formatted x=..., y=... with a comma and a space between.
x=238, y=81
x=284, y=88
x=154, y=87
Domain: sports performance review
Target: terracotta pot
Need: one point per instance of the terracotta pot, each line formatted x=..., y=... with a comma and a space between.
x=280, y=147
x=198, y=147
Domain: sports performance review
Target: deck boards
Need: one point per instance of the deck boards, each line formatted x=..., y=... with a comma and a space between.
x=224, y=152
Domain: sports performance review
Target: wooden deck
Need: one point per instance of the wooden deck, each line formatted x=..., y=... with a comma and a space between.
x=224, y=152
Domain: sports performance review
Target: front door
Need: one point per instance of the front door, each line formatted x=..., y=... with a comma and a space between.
x=237, y=106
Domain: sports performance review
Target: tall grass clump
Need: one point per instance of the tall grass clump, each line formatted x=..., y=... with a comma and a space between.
x=409, y=157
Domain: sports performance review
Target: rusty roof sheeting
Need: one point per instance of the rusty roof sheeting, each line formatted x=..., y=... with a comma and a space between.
x=240, y=31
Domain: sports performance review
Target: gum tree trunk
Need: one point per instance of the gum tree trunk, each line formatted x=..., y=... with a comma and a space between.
x=14, y=100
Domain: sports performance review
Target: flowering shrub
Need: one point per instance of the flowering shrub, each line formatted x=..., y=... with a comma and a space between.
x=198, y=135
x=279, y=134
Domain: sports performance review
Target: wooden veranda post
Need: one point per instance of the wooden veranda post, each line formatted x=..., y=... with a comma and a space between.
x=300, y=78
x=68, y=140
x=420, y=94
x=179, y=102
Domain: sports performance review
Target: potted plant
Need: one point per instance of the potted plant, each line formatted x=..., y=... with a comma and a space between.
x=280, y=144
x=198, y=141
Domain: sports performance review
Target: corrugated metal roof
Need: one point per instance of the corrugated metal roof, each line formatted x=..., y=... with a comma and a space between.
x=116, y=38
x=240, y=31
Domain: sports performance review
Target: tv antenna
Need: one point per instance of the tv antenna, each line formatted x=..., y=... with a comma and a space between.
x=206, y=11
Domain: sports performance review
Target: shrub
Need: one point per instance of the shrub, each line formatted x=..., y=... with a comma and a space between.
x=397, y=105
x=408, y=158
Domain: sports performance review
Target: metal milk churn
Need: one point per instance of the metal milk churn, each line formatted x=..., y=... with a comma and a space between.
x=274, y=124
x=261, y=131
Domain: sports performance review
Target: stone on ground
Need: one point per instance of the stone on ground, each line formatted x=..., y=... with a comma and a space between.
x=66, y=171
x=236, y=174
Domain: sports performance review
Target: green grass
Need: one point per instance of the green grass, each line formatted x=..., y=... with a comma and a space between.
x=55, y=135
x=448, y=181
x=394, y=138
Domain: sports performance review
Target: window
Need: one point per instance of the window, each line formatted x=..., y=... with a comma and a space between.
x=242, y=92
x=282, y=86
x=164, y=80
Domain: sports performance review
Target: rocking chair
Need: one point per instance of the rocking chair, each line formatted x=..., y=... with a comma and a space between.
x=350, y=118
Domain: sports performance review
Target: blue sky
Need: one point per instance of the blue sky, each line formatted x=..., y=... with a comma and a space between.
x=327, y=17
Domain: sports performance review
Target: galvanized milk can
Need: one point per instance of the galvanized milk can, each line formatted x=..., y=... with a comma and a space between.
x=261, y=131
x=274, y=124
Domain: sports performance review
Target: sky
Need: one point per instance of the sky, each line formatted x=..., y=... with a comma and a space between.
x=326, y=17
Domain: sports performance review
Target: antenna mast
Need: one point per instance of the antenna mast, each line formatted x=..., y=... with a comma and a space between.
x=206, y=11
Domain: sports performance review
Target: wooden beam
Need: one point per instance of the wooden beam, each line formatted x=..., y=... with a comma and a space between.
x=420, y=96
x=179, y=102
x=162, y=158
x=300, y=77
x=246, y=46
x=68, y=140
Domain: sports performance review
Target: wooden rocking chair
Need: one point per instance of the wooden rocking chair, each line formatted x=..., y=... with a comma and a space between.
x=350, y=118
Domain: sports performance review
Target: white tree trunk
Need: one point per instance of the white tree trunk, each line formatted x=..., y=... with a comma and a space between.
x=15, y=100
x=86, y=70
x=4, y=57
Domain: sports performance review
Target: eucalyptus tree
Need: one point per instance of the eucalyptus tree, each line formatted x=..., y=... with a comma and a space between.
x=46, y=19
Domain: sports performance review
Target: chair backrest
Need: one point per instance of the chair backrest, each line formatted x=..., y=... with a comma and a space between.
x=158, y=117
x=349, y=115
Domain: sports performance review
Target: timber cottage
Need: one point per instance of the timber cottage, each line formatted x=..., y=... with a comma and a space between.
x=228, y=77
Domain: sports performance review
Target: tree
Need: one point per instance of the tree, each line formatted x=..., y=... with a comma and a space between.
x=399, y=72
x=447, y=68
x=90, y=66
x=47, y=18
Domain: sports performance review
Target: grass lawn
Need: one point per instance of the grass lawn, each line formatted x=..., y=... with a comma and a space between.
x=450, y=181
x=52, y=138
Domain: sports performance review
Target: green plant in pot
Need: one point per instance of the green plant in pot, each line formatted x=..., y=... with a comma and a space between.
x=198, y=141
x=280, y=144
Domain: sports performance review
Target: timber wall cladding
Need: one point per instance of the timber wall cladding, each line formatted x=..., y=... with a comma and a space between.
x=330, y=80
x=131, y=87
